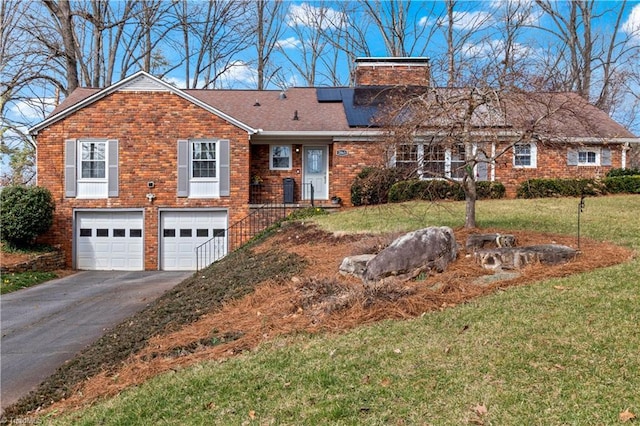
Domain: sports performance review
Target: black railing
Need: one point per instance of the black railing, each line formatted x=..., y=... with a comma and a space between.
x=270, y=212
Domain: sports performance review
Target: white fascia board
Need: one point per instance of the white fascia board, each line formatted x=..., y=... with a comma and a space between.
x=320, y=134
x=122, y=83
x=594, y=140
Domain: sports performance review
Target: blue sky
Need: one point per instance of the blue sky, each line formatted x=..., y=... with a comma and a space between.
x=478, y=15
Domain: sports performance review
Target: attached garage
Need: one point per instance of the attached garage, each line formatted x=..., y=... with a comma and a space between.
x=109, y=240
x=182, y=231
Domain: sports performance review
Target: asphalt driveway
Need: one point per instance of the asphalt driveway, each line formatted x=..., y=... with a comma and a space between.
x=46, y=325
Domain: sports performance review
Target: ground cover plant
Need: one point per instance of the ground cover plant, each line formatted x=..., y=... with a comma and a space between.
x=19, y=280
x=559, y=347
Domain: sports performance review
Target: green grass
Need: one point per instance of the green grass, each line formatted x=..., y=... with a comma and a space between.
x=16, y=281
x=562, y=351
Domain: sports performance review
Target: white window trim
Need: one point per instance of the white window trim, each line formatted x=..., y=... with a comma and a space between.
x=271, y=149
x=79, y=160
x=597, y=151
x=192, y=142
x=534, y=156
x=448, y=156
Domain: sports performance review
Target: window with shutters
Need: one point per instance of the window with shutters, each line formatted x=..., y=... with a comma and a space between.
x=203, y=168
x=91, y=168
x=588, y=157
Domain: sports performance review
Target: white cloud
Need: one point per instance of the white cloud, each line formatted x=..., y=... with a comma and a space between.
x=306, y=15
x=178, y=82
x=289, y=43
x=465, y=21
x=239, y=73
x=632, y=25
x=496, y=49
x=31, y=109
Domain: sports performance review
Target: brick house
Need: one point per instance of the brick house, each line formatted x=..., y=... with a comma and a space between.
x=142, y=172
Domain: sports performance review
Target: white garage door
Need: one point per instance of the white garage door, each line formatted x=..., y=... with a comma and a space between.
x=109, y=241
x=182, y=231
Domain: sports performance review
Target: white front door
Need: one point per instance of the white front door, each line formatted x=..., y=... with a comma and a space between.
x=108, y=240
x=182, y=231
x=316, y=172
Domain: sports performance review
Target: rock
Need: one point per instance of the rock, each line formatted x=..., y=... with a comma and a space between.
x=422, y=250
x=519, y=257
x=479, y=241
x=355, y=265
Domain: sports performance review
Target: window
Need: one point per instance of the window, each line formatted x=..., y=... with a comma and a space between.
x=203, y=168
x=407, y=157
x=524, y=155
x=93, y=160
x=91, y=168
x=587, y=158
x=434, y=160
x=457, y=162
x=203, y=160
x=280, y=157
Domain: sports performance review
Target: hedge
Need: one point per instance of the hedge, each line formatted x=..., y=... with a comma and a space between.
x=545, y=188
x=432, y=190
x=372, y=185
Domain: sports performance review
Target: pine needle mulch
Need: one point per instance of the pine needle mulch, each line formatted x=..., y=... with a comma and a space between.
x=319, y=299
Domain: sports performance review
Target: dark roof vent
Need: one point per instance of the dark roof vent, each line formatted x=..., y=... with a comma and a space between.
x=295, y=115
x=257, y=103
x=282, y=95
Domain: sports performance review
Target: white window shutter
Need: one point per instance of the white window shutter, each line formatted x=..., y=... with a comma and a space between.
x=112, y=146
x=70, y=180
x=225, y=181
x=183, y=168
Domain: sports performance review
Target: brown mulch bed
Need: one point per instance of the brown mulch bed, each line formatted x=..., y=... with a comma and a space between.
x=319, y=299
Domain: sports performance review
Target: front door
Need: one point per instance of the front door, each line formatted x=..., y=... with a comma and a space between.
x=316, y=172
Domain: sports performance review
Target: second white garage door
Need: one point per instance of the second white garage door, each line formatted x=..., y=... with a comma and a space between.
x=182, y=231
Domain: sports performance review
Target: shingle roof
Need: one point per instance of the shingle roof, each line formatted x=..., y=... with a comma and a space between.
x=273, y=110
x=340, y=109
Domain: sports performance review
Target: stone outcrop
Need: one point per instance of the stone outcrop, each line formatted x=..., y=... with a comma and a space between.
x=480, y=241
x=501, y=258
x=355, y=265
x=423, y=250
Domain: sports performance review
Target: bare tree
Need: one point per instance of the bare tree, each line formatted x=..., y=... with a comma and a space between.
x=454, y=133
x=592, y=53
x=269, y=19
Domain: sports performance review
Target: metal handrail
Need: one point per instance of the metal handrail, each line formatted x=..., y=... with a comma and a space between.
x=243, y=230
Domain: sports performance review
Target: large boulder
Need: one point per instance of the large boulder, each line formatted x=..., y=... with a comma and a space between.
x=426, y=249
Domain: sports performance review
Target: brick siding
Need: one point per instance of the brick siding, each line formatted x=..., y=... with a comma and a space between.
x=147, y=126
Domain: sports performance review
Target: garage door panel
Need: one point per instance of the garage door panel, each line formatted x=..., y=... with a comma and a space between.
x=183, y=231
x=109, y=240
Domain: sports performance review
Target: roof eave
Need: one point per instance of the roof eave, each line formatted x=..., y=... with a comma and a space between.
x=115, y=87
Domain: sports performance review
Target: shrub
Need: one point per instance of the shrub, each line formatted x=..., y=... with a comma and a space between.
x=26, y=213
x=623, y=172
x=372, y=185
x=622, y=184
x=544, y=188
x=431, y=190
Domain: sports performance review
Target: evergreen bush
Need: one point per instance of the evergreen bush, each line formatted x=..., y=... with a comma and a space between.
x=27, y=211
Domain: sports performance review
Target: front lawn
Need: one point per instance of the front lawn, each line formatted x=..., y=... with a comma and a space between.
x=16, y=281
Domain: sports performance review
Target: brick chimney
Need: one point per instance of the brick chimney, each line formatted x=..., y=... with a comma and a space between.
x=391, y=71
